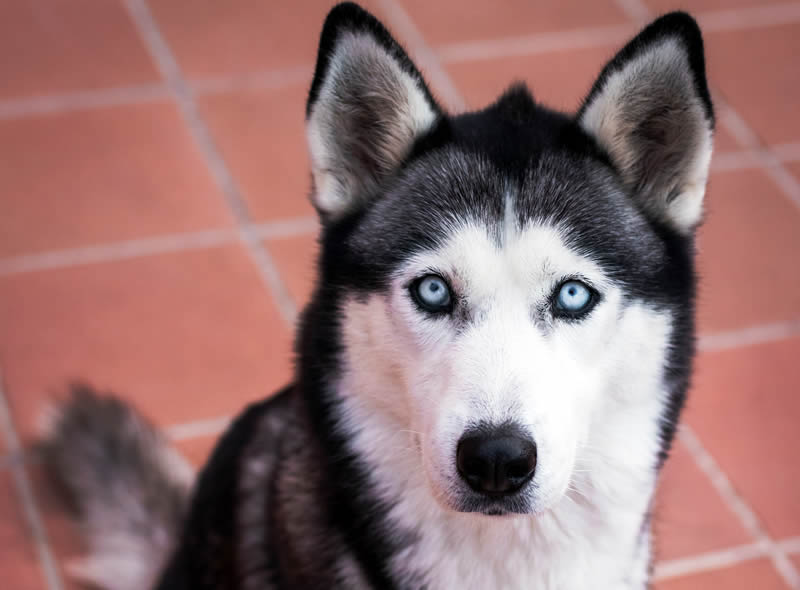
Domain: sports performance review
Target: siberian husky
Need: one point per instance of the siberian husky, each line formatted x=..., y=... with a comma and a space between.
x=491, y=367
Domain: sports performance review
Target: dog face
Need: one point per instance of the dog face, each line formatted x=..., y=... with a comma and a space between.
x=512, y=289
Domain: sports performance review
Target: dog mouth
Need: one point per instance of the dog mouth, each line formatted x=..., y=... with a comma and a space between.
x=494, y=505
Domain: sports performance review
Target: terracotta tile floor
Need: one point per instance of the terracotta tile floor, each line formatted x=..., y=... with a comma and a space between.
x=123, y=208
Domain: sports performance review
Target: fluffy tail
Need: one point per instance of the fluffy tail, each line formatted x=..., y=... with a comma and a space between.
x=128, y=487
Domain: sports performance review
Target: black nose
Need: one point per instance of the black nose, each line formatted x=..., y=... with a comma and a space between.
x=496, y=460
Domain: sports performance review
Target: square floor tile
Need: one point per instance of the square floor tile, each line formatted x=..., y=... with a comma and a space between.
x=745, y=409
x=69, y=45
x=756, y=69
x=103, y=175
x=489, y=19
x=18, y=559
x=296, y=258
x=185, y=336
x=690, y=517
x=211, y=38
x=262, y=137
x=751, y=575
x=748, y=249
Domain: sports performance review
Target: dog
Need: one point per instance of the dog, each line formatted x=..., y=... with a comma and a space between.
x=492, y=365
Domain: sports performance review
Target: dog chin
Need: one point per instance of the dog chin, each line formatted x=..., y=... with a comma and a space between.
x=474, y=503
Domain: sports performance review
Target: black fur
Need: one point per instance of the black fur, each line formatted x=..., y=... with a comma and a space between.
x=206, y=556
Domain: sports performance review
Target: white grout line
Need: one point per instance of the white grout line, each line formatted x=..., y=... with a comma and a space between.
x=526, y=45
x=116, y=251
x=635, y=10
x=790, y=545
x=89, y=99
x=787, y=152
x=737, y=505
x=124, y=250
x=66, y=102
x=401, y=24
x=754, y=158
x=741, y=338
x=735, y=125
x=785, y=180
x=738, y=160
x=286, y=228
x=770, y=163
x=27, y=498
x=198, y=428
x=748, y=17
x=537, y=43
x=704, y=562
x=268, y=80
x=735, y=19
x=168, y=65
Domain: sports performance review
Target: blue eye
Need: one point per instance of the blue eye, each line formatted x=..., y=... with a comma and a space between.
x=574, y=298
x=431, y=293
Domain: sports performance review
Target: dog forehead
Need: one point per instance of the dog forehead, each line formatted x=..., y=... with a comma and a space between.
x=449, y=188
x=526, y=256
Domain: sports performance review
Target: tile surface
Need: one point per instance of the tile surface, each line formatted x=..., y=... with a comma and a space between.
x=69, y=45
x=690, y=517
x=748, y=249
x=747, y=576
x=261, y=134
x=756, y=69
x=18, y=559
x=296, y=259
x=745, y=409
x=483, y=81
x=698, y=7
x=187, y=336
x=487, y=19
x=238, y=36
x=104, y=175
x=794, y=168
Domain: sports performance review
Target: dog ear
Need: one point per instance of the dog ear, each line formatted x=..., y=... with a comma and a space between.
x=651, y=111
x=367, y=106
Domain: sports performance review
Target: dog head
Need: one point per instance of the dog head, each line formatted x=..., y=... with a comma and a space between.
x=510, y=289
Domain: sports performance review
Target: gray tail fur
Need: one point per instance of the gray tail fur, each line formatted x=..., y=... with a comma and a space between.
x=129, y=489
